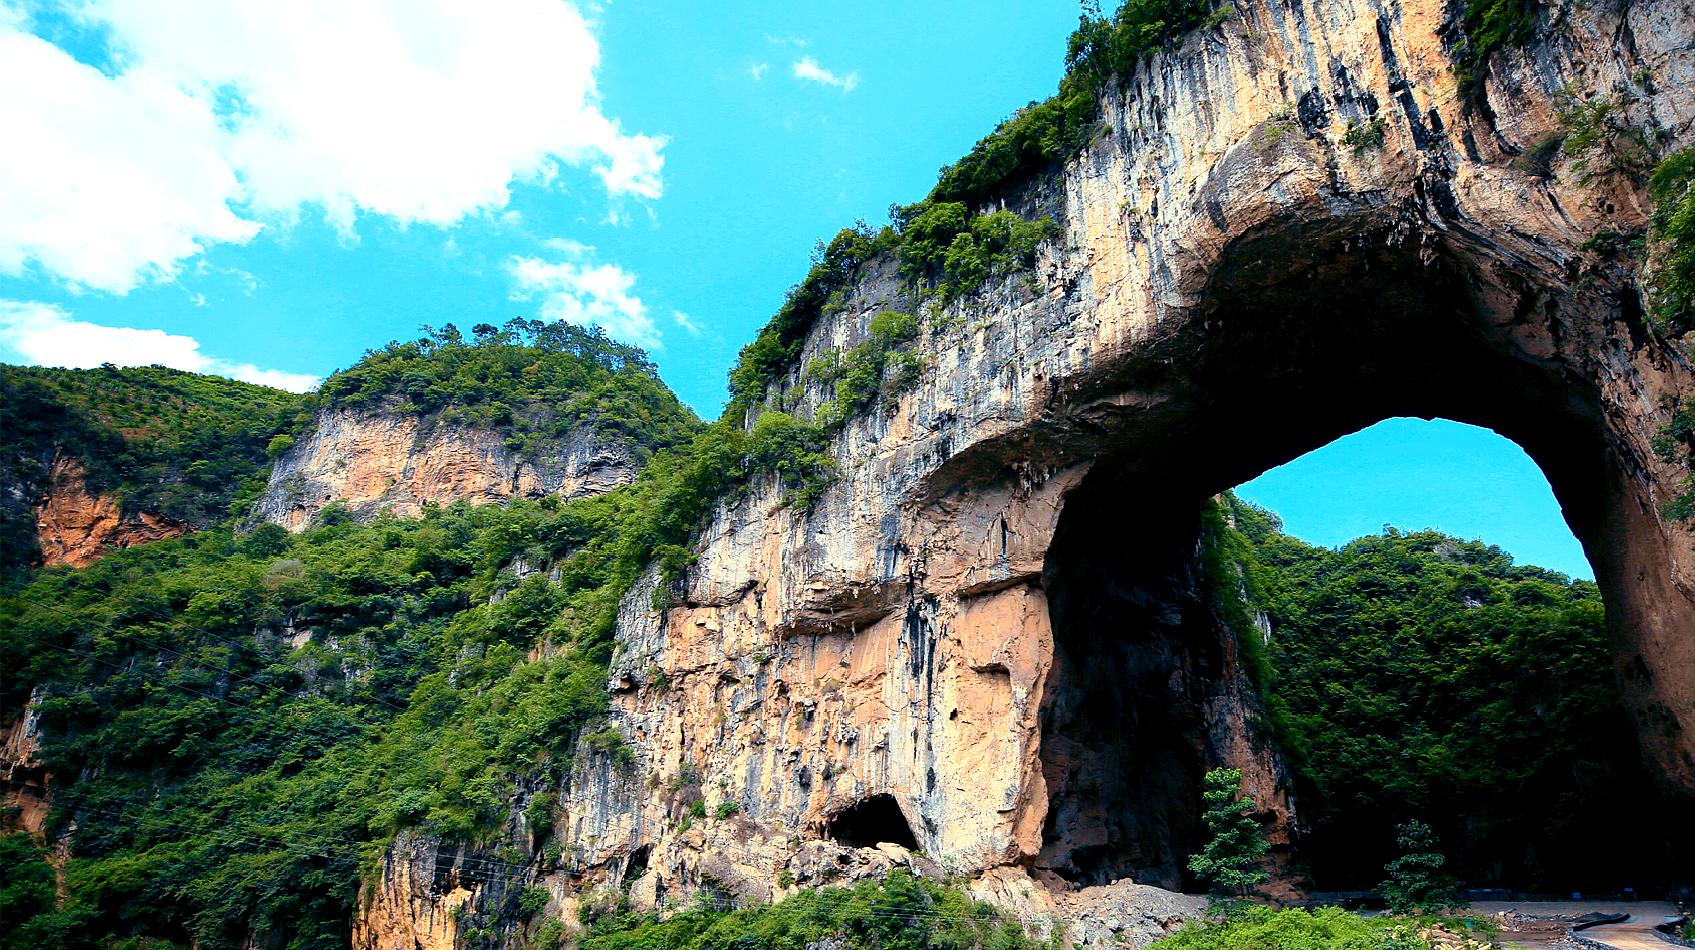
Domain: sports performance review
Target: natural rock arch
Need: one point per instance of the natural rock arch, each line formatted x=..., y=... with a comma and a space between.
x=1232, y=286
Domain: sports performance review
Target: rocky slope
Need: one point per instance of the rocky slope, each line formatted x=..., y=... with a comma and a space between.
x=74, y=526
x=936, y=652
x=376, y=460
x=97, y=459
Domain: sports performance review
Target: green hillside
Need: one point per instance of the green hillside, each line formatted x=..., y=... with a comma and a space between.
x=178, y=444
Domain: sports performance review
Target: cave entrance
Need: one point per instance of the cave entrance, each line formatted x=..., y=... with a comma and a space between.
x=870, y=822
x=1308, y=340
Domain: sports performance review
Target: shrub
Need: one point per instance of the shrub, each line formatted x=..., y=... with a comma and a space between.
x=1229, y=864
x=1416, y=882
x=1671, y=269
x=1325, y=928
x=1490, y=26
x=901, y=912
x=1365, y=136
x=727, y=808
x=532, y=900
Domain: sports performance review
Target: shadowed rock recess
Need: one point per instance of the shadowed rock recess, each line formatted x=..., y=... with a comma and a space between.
x=995, y=632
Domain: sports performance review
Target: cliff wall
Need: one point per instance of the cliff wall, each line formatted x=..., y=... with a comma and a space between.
x=75, y=526
x=379, y=460
x=1234, y=285
x=997, y=638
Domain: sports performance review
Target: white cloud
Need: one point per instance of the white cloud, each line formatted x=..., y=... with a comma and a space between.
x=685, y=321
x=757, y=70
x=228, y=113
x=807, y=68
x=579, y=290
x=106, y=181
x=44, y=335
x=798, y=42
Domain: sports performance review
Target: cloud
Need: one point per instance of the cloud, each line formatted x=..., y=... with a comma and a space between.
x=797, y=42
x=807, y=68
x=579, y=290
x=44, y=335
x=685, y=321
x=220, y=116
x=757, y=70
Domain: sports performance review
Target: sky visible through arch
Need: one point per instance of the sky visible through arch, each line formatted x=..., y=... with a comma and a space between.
x=265, y=190
x=1415, y=474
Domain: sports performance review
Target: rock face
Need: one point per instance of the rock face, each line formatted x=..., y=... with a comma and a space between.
x=74, y=527
x=378, y=460
x=998, y=635
x=24, y=782
x=416, y=903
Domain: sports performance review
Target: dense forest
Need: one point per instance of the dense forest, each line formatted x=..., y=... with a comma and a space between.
x=1414, y=675
x=182, y=445
x=534, y=381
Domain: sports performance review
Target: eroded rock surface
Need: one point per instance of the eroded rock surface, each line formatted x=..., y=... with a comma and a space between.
x=373, y=461
x=74, y=526
x=1000, y=617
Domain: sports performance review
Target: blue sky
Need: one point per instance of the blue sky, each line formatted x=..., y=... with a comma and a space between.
x=265, y=190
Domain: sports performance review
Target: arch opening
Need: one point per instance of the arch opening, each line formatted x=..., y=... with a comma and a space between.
x=1308, y=337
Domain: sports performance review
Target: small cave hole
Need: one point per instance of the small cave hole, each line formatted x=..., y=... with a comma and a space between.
x=871, y=822
x=636, y=864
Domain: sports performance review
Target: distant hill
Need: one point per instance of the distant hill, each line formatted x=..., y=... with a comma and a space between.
x=178, y=447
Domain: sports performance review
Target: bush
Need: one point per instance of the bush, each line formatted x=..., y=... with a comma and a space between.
x=1671, y=270
x=1326, y=928
x=1416, y=882
x=532, y=901
x=901, y=912
x=1490, y=26
x=1230, y=862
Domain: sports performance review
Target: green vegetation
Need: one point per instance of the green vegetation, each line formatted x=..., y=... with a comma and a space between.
x=1229, y=865
x=902, y=912
x=1416, y=881
x=1671, y=271
x=943, y=246
x=1490, y=26
x=182, y=445
x=539, y=381
x=1600, y=138
x=1415, y=674
x=235, y=781
x=1101, y=49
x=945, y=252
x=1325, y=928
x=1365, y=137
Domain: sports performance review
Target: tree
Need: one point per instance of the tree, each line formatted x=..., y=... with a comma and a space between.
x=1416, y=882
x=1229, y=864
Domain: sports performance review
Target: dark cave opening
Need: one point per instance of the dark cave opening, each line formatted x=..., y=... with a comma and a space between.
x=870, y=822
x=1148, y=687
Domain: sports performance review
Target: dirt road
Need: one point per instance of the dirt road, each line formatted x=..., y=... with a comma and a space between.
x=1633, y=934
x=1637, y=932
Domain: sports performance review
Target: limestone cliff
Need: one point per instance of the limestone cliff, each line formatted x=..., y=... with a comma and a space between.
x=995, y=639
x=75, y=526
x=24, y=782
x=375, y=460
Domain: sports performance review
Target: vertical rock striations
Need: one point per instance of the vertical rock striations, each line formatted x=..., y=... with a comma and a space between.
x=995, y=635
x=376, y=460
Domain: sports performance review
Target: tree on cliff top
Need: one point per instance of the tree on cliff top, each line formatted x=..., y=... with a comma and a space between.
x=1229, y=864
